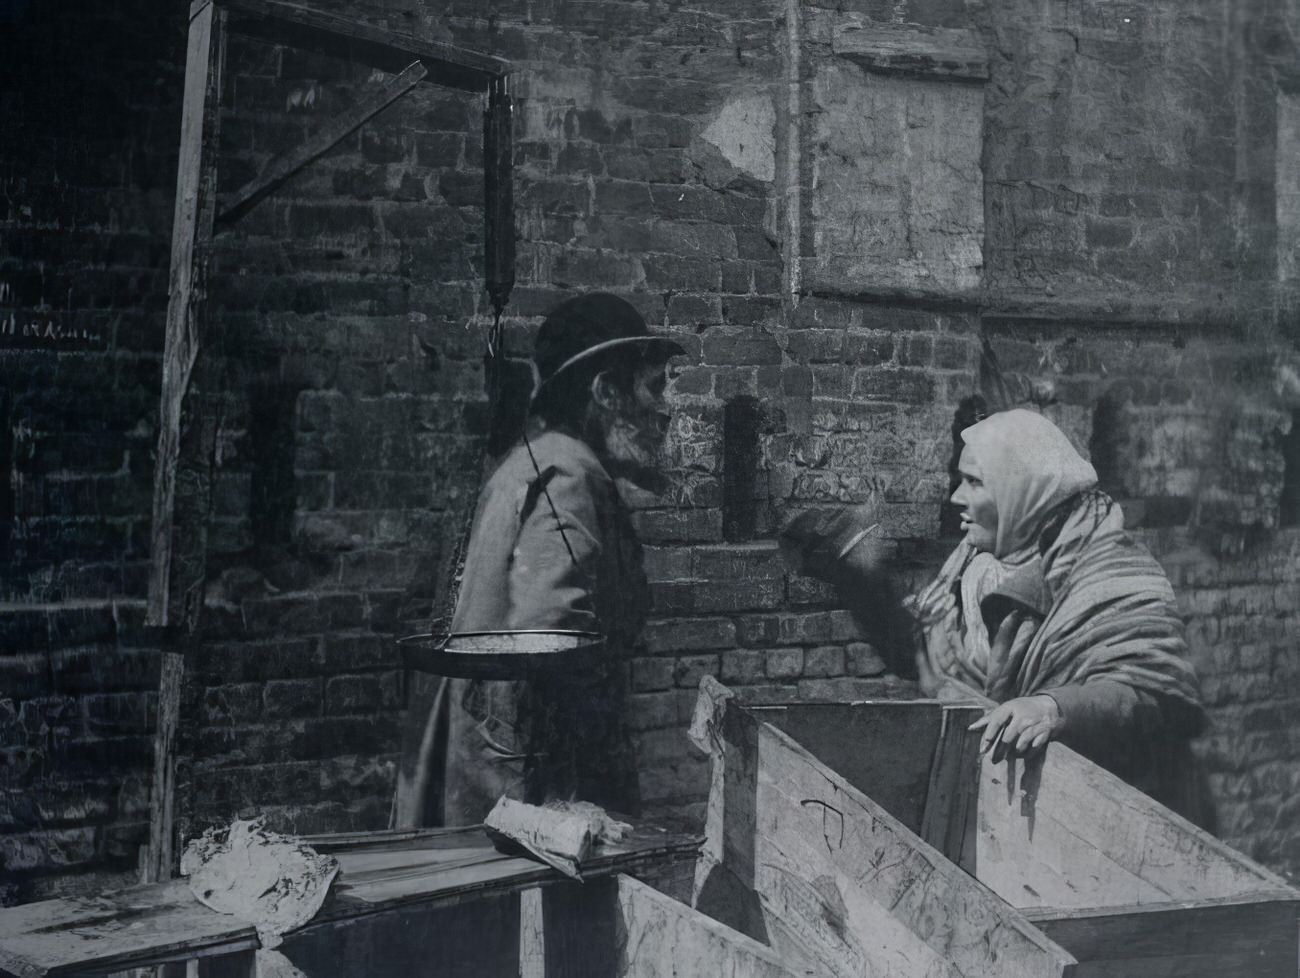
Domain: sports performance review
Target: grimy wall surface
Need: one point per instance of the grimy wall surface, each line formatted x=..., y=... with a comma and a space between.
x=831, y=205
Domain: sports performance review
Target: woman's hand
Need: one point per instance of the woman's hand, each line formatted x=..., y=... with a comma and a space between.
x=1020, y=726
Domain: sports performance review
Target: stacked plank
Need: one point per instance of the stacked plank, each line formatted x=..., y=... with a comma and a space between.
x=873, y=838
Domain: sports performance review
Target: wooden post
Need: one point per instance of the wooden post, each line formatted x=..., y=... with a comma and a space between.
x=175, y=599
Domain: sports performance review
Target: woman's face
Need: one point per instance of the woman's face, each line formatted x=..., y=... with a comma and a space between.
x=979, y=514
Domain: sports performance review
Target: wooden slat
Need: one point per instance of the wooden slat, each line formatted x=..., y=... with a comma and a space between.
x=305, y=27
x=661, y=938
x=580, y=928
x=1212, y=939
x=952, y=795
x=284, y=166
x=1061, y=832
x=147, y=924
x=476, y=939
x=850, y=883
x=191, y=229
x=191, y=236
x=142, y=925
x=934, y=52
x=881, y=748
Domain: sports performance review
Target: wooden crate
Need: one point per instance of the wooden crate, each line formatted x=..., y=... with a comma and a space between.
x=442, y=904
x=873, y=838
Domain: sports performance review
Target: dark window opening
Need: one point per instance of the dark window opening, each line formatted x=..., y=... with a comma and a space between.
x=273, y=493
x=970, y=410
x=7, y=511
x=1290, y=503
x=741, y=424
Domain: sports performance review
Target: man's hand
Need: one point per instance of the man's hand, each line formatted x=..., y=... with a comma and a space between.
x=1020, y=726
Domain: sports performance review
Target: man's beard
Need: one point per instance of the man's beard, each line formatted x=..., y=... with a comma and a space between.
x=634, y=450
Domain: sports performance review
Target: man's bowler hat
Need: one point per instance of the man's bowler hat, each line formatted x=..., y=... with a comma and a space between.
x=587, y=325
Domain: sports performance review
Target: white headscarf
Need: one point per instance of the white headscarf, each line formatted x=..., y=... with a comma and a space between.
x=1029, y=467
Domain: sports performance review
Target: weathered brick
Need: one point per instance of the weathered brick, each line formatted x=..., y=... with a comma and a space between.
x=742, y=666
x=824, y=660
x=691, y=668
x=292, y=698
x=862, y=659
x=652, y=674
x=785, y=663
x=689, y=634
x=741, y=344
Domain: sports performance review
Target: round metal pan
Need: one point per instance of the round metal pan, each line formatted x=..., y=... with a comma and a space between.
x=503, y=655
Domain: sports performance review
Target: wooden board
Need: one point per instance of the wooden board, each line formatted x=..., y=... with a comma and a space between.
x=476, y=939
x=884, y=749
x=838, y=877
x=661, y=938
x=306, y=27
x=1214, y=939
x=144, y=925
x=948, y=821
x=1061, y=832
x=181, y=485
x=282, y=167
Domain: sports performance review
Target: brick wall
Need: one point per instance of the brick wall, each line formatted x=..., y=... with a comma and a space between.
x=1115, y=244
x=87, y=166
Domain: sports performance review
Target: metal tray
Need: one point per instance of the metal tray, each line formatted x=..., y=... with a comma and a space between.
x=503, y=655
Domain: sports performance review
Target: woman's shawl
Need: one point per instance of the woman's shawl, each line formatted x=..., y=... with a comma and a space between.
x=1099, y=605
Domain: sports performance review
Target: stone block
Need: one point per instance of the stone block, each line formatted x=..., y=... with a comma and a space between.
x=689, y=669
x=741, y=345
x=824, y=661
x=689, y=634
x=742, y=666
x=862, y=659
x=649, y=675
x=283, y=698
x=784, y=663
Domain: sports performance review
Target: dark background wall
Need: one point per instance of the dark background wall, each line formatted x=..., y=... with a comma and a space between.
x=1113, y=209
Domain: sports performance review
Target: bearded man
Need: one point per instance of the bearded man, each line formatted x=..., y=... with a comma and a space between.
x=552, y=547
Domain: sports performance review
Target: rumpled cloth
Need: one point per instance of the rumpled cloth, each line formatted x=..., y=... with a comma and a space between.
x=274, y=882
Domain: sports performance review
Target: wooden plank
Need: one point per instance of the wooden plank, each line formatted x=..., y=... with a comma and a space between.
x=836, y=870
x=305, y=27
x=477, y=939
x=242, y=964
x=191, y=235
x=883, y=749
x=1061, y=832
x=1255, y=936
x=144, y=925
x=284, y=166
x=580, y=928
x=191, y=230
x=952, y=795
x=910, y=49
x=661, y=938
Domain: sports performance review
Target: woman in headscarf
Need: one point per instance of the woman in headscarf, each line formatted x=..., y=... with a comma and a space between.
x=1052, y=611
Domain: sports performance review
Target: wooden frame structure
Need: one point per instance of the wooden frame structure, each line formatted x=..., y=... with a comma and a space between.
x=872, y=837
x=187, y=434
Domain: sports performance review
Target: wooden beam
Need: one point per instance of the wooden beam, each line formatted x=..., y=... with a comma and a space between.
x=303, y=27
x=191, y=237
x=284, y=166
